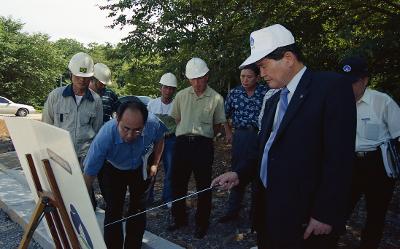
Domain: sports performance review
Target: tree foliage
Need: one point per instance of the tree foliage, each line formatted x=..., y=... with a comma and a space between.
x=168, y=32
x=29, y=64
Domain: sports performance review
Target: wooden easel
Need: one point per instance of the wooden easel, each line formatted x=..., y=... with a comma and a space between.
x=51, y=205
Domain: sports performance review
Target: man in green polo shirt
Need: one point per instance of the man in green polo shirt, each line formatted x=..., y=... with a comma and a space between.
x=197, y=110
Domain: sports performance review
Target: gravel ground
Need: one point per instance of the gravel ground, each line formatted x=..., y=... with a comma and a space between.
x=234, y=235
x=11, y=233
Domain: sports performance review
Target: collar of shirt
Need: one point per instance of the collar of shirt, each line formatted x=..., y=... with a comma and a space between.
x=68, y=92
x=294, y=82
x=366, y=98
x=206, y=93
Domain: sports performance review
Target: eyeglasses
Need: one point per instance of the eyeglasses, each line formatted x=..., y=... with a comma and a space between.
x=136, y=132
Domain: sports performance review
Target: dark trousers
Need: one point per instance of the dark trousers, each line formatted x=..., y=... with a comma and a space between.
x=370, y=179
x=114, y=184
x=192, y=154
x=313, y=242
x=242, y=138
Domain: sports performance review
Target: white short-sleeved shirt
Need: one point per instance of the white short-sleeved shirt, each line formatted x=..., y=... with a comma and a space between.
x=156, y=106
x=378, y=119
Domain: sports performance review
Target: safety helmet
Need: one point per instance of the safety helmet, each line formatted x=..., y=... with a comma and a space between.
x=102, y=73
x=168, y=79
x=81, y=64
x=196, y=68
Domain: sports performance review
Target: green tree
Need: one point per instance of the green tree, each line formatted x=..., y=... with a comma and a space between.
x=218, y=31
x=29, y=64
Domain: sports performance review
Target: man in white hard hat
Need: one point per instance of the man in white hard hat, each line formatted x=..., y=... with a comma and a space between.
x=100, y=80
x=75, y=107
x=162, y=108
x=196, y=110
x=305, y=149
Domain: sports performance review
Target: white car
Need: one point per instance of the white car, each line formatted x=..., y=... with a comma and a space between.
x=9, y=107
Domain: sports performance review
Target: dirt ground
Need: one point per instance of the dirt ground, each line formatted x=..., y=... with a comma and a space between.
x=237, y=234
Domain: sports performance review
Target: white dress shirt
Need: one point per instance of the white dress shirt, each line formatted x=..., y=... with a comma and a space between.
x=291, y=87
x=378, y=119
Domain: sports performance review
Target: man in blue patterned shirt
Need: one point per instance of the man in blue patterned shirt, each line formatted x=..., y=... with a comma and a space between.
x=242, y=106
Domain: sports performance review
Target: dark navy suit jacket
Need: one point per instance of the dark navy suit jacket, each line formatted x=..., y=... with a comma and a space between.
x=310, y=160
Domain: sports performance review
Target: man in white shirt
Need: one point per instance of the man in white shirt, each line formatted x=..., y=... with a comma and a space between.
x=162, y=108
x=378, y=120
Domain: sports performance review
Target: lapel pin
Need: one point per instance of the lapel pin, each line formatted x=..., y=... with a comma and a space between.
x=301, y=96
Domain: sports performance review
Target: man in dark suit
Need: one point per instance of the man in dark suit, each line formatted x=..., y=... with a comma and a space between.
x=305, y=148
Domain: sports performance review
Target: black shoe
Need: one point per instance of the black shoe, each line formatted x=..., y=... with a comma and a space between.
x=228, y=217
x=176, y=226
x=200, y=232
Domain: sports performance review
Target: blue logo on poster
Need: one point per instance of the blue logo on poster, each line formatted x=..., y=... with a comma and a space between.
x=83, y=235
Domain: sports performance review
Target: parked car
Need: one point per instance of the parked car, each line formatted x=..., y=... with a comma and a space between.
x=9, y=107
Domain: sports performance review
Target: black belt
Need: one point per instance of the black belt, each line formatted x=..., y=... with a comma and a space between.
x=192, y=138
x=362, y=154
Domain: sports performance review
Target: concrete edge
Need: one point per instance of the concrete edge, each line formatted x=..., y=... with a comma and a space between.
x=41, y=234
x=13, y=210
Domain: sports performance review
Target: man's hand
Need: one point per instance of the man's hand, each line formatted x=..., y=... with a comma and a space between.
x=317, y=228
x=153, y=170
x=226, y=181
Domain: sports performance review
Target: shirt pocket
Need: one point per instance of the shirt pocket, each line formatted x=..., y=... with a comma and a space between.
x=61, y=118
x=206, y=116
x=371, y=131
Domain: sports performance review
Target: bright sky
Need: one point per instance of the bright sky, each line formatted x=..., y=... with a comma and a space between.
x=81, y=20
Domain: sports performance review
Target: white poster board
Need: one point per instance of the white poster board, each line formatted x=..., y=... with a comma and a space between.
x=44, y=141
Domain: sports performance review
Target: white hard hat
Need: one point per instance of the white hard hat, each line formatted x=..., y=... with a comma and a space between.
x=266, y=40
x=168, y=79
x=102, y=73
x=196, y=68
x=81, y=64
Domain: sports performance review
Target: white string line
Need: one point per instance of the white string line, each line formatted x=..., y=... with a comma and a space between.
x=150, y=209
